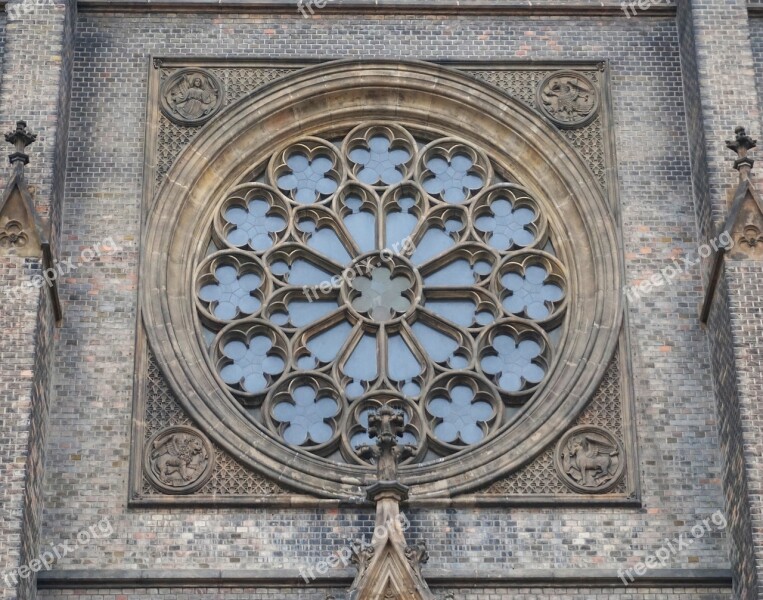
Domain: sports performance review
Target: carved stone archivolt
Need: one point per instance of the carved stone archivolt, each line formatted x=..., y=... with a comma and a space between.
x=178, y=460
x=280, y=212
x=590, y=459
x=191, y=96
x=568, y=98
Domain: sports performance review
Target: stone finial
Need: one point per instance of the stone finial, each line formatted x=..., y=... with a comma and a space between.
x=742, y=144
x=385, y=425
x=20, y=138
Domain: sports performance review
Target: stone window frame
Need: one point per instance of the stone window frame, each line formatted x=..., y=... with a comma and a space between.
x=460, y=84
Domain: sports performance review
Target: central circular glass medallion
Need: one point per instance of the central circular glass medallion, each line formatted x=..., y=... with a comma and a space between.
x=381, y=288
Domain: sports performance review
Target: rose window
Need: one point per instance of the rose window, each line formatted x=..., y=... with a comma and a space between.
x=381, y=266
x=363, y=233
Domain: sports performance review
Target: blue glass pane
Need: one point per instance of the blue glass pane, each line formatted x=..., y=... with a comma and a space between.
x=231, y=293
x=325, y=346
x=457, y=273
x=253, y=226
x=460, y=415
x=513, y=363
x=251, y=363
x=325, y=241
x=306, y=417
x=507, y=227
x=530, y=294
x=301, y=272
x=440, y=347
x=400, y=225
x=401, y=362
x=304, y=312
x=431, y=244
x=361, y=366
x=459, y=311
x=360, y=223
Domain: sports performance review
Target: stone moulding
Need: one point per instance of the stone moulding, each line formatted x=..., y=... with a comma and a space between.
x=333, y=95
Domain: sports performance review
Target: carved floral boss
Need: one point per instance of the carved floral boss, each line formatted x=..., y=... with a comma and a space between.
x=457, y=331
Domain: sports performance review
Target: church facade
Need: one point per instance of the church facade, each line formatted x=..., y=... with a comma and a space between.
x=332, y=299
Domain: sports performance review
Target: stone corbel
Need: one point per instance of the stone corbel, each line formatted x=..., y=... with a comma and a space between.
x=744, y=223
x=22, y=232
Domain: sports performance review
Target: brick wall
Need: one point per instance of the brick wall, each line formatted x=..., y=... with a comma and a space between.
x=33, y=84
x=89, y=443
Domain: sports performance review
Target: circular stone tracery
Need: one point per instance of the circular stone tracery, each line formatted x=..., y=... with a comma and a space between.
x=311, y=330
x=432, y=300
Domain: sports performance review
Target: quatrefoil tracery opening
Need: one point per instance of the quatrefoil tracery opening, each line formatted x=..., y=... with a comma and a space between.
x=383, y=267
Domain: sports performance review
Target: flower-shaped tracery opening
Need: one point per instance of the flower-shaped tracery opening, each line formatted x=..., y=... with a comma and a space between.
x=231, y=286
x=379, y=155
x=250, y=365
x=418, y=280
x=453, y=172
x=531, y=294
x=462, y=417
x=252, y=225
x=252, y=217
x=306, y=416
x=507, y=218
x=516, y=359
x=232, y=293
x=307, y=172
x=13, y=236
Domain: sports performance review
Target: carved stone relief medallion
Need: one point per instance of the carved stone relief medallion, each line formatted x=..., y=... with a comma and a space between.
x=590, y=459
x=191, y=96
x=568, y=98
x=178, y=460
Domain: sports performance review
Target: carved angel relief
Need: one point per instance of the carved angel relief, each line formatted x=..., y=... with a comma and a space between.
x=590, y=459
x=191, y=96
x=178, y=460
x=568, y=98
